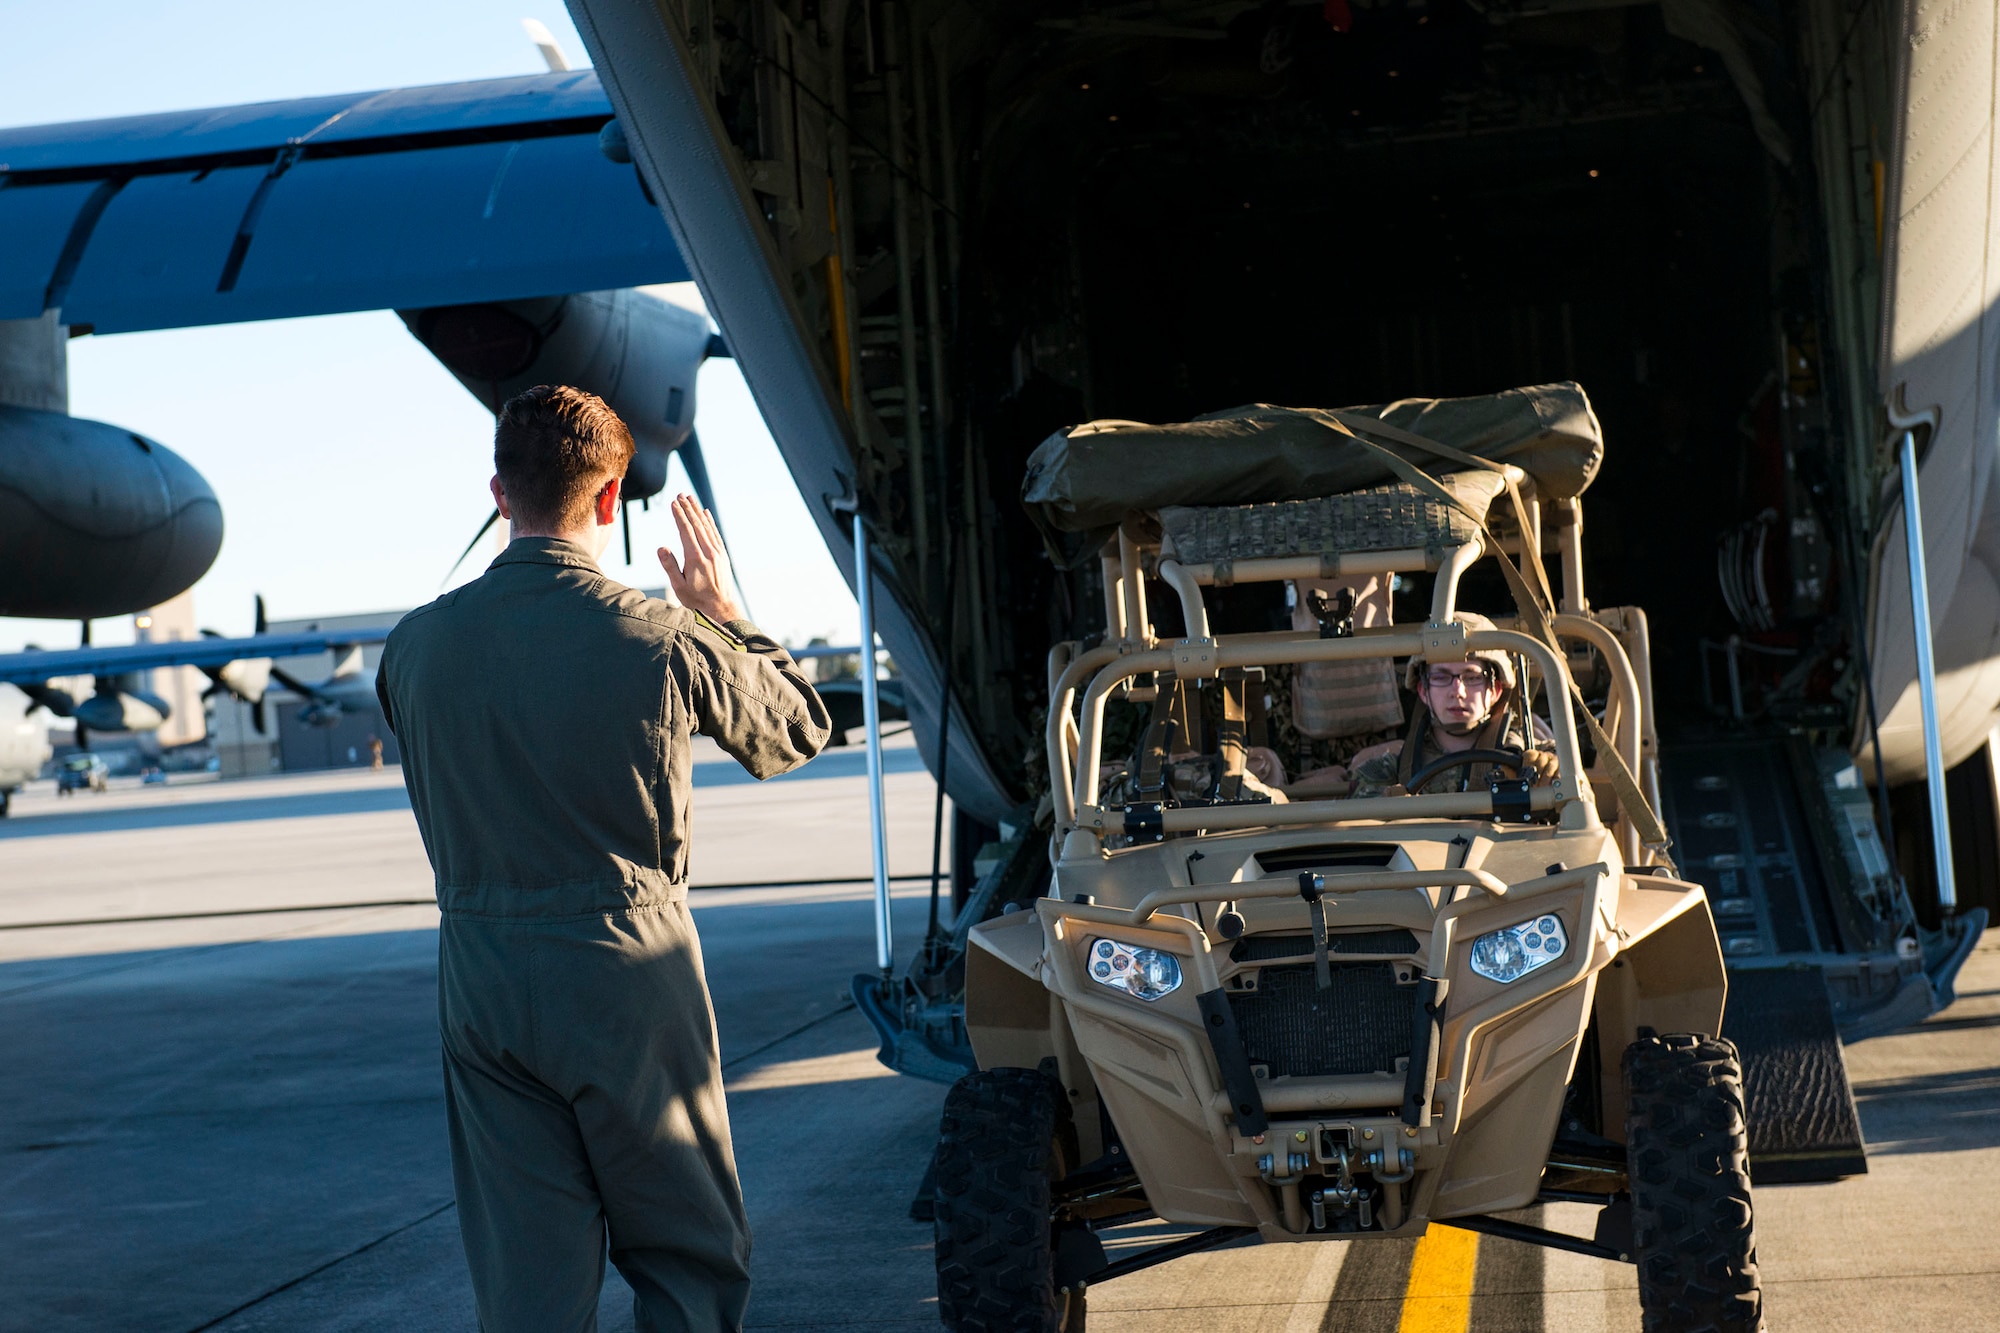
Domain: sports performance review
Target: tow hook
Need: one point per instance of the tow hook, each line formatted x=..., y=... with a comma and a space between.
x=1344, y=1193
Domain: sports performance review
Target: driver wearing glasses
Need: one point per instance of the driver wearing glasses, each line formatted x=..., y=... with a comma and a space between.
x=1469, y=705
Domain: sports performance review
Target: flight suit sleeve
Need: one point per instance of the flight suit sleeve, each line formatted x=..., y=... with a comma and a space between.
x=752, y=700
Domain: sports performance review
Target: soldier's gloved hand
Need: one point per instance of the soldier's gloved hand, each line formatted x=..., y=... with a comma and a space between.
x=700, y=579
x=1538, y=767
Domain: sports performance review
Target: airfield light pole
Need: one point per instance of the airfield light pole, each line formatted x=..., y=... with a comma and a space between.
x=1920, y=619
x=871, y=722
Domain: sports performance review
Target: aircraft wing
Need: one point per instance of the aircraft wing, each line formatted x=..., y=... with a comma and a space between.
x=34, y=667
x=446, y=195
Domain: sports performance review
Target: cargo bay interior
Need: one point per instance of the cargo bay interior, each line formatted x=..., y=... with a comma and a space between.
x=1429, y=203
x=1041, y=214
x=1151, y=212
x=1329, y=204
x=1053, y=213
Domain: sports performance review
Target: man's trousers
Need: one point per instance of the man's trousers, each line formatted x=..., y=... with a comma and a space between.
x=584, y=1098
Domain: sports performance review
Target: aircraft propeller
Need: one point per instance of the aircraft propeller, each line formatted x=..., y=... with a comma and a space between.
x=245, y=679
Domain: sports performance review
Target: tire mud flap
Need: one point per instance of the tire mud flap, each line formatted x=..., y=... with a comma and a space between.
x=1803, y=1123
x=1079, y=1255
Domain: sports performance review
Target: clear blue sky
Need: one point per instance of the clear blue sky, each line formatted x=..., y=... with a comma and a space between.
x=331, y=507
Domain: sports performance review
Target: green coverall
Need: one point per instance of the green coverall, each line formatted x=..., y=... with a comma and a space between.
x=544, y=714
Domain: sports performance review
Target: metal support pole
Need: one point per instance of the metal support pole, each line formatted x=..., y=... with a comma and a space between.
x=871, y=722
x=1920, y=622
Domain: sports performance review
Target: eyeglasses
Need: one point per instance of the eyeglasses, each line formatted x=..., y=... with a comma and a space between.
x=1475, y=682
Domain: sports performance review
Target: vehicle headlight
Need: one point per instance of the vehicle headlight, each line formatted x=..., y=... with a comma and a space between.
x=1512, y=952
x=1146, y=973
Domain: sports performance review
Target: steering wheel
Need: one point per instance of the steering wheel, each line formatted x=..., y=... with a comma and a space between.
x=1507, y=759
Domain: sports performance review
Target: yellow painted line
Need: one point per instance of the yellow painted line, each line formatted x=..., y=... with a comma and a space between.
x=1439, y=1297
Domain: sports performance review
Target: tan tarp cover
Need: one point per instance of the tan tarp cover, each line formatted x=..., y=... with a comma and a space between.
x=1093, y=475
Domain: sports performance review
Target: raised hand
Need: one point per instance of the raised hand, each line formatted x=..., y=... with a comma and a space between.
x=700, y=579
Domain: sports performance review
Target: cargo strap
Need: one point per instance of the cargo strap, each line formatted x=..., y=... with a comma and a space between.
x=1533, y=610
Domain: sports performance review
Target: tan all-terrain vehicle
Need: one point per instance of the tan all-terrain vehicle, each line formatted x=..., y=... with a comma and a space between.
x=1349, y=1017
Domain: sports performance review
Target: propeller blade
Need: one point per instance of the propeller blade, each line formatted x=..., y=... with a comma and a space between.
x=257, y=717
x=261, y=622
x=86, y=635
x=296, y=686
x=321, y=710
x=82, y=737
x=56, y=701
x=484, y=528
x=696, y=468
x=625, y=524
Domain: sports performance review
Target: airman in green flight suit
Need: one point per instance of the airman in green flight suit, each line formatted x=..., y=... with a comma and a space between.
x=545, y=714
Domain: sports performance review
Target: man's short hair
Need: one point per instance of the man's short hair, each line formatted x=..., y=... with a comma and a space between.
x=554, y=447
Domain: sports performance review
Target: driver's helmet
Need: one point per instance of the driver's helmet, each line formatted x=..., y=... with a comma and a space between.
x=1501, y=664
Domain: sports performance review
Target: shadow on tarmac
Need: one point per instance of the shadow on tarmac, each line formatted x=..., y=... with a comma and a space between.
x=247, y=1135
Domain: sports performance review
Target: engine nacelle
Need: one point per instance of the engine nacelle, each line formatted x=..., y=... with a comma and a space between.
x=96, y=520
x=636, y=351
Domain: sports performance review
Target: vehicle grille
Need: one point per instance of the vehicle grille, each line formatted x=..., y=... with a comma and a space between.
x=1359, y=1025
x=1258, y=948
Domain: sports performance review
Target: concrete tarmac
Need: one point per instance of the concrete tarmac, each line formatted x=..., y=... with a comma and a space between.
x=235, y=1121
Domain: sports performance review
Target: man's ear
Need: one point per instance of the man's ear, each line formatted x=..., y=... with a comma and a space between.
x=500, y=498
x=607, y=502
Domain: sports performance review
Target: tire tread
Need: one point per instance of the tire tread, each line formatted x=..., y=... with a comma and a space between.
x=998, y=1149
x=1687, y=1144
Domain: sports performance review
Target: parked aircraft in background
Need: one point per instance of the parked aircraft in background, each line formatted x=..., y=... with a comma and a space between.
x=239, y=666
x=244, y=669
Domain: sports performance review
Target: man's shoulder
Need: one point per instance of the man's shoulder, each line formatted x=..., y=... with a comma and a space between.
x=661, y=618
x=422, y=621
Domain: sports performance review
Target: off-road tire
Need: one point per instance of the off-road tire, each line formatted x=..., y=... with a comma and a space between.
x=1688, y=1160
x=1004, y=1141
